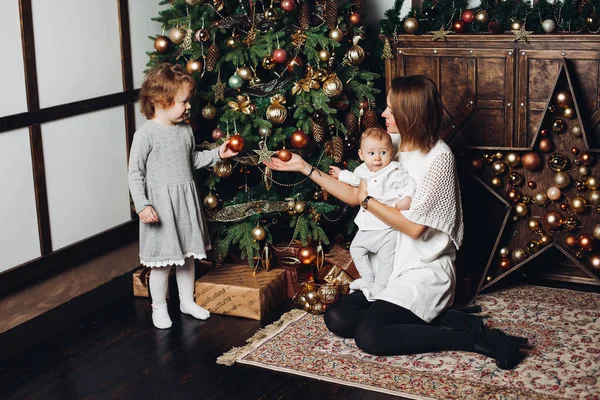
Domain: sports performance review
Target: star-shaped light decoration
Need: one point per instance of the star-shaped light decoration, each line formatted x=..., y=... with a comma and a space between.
x=521, y=34
x=219, y=88
x=264, y=154
x=550, y=191
x=440, y=34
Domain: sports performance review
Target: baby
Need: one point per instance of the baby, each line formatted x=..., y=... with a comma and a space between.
x=389, y=183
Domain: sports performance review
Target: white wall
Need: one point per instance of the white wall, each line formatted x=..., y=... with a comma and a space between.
x=78, y=57
x=375, y=10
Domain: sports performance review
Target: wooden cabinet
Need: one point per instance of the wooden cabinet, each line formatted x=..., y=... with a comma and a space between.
x=495, y=92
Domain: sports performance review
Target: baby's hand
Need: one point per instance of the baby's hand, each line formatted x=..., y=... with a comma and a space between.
x=334, y=171
x=148, y=215
x=226, y=152
x=403, y=204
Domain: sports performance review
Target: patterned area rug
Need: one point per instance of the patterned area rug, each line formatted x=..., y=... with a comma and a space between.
x=562, y=325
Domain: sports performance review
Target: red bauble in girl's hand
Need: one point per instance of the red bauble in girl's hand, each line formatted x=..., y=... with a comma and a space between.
x=279, y=56
x=236, y=143
x=284, y=155
x=288, y=5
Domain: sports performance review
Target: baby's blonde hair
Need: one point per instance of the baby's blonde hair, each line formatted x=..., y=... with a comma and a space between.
x=161, y=85
x=377, y=134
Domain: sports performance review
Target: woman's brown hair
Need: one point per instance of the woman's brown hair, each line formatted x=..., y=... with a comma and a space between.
x=417, y=109
x=161, y=85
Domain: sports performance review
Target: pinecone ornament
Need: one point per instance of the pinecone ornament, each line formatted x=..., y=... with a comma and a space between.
x=212, y=57
x=331, y=14
x=495, y=27
x=351, y=123
x=304, y=16
x=335, y=149
x=370, y=119
x=325, y=194
x=318, y=131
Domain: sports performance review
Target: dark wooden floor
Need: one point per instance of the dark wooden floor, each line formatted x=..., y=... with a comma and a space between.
x=116, y=353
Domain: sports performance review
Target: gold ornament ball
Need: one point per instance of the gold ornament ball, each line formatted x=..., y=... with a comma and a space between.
x=596, y=232
x=578, y=204
x=569, y=112
x=583, y=170
x=231, y=42
x=570, y=223
x=311, y=297
x=317, y=308
x=268, y=63
x=564, y=99
x=553, y=220
x=355, y=55
x=211, y=201
x=307, y=255
x=245, y=73
x=513, y=159
x=504, y=252
x=332, y=86
x=299, y=139
x=571, y=241
x=516, y=24
x=327, y=293
x=595, y=262
x=540, y=199
x=586, y=158
x=209, y=111
x=355, y=18
x=307, y=307
x=194, y=2
x=499, y=167
x=258, y=233
x=533, y=225
x=193, y=66
x=554, y=193
x=504, y=263
x=219, y=5
x=202, y=35
x=223, y=169
x=558, y=162
x=276, y=113
x=576, y=131
x=513, y=195
x=546, y=145
x=594, y=197
x=496, y=182
x=482, y=17
x=531, y=161
x=291, y=204
x=558, y=126
x=299, y=206
x=592, y=183
x=515, y=179
x=521, y=209
x=411, y=25
x=324, y=55
x=562, y=180
x=586, y=242
x=162, y=44
x=545, y=240
x=177, y=35
x=519, y=255
x=271, y=14
x=336, y=34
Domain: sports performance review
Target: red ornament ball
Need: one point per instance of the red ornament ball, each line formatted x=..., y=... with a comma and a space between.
x=299, y=139
x=236, y=143
x=459, y=26
x=355, y=18
x=288, y=5
x=295, y=63
x=544, y=132
x=574, y=151
x=307, y=255
x=279, y=56
x=531, y=161
x=217, y=134
x=468, y=16
x=284, y=155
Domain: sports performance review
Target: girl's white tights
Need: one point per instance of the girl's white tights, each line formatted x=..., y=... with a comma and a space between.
x=159, y=282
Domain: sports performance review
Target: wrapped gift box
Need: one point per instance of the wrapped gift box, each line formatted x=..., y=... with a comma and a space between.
x=236, y=290
x=295, y=274
x=340, y=256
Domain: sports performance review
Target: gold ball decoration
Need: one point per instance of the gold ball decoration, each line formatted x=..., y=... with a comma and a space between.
x=162, y=44
x=223, y=169
x=521, y=209
x=355, y=55
x=532, y=246
x=571, y=241
x=299, y=207
x=596, y=232
x=271, y=14
x=533, y=225
x=193, y=2
x=553, y=220
x=516, y=24
x=515, y=179
x=499, y=167
x=496, y=182
x=554, y=193
x=202, y=35
x=336, y=34
x=311, y=297
x=546, y=145
x=578, y=204
x=583, y=170
x=558, y=162
x=592, y=182
x=324, y=55
x=545, y=240
x=209, y=111
x=211, y=201
x=355, y=18
x=276, y=113
x=482, y=17
x=193, y=66
x=177, y=35
x=258, y=233
x=594, y=197
x=558, y=126
x=333, y=86
x=569, y=112
x=245, y=73
x=540, y=199
x=307, y=255
x=410, y=25
x=504, y=263
x=219, y=5
x=317, y=308
x=291, y=204
x=299, y=139
x=513, y=159
x=513, y=195
x=571, y=223
x=576, y=131
x=586, y=242
x=562, y=180
x=327, y=293
x=232, y=41
x=564, y=99
x=519, y=255
x=268, y=63
x=504, y=252
x=595, y=262
x=531, y=161
x=586, y=158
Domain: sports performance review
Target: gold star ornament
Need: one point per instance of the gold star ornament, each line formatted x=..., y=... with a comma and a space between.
x=521, y=34
x=441, y=34
x=264, y=154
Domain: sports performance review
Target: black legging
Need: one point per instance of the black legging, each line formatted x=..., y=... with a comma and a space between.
x=385, y=329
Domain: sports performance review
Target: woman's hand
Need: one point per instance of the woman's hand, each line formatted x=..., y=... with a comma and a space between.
x=362, y=191
x=225, y=151
x=148, y=215
x=295, y=164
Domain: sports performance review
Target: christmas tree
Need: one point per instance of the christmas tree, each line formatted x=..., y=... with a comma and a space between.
x=274, y=77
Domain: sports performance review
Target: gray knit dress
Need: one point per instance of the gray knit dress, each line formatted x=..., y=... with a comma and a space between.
x=160, y=174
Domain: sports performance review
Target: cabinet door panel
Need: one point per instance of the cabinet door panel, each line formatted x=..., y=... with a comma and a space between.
x=477, y=88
